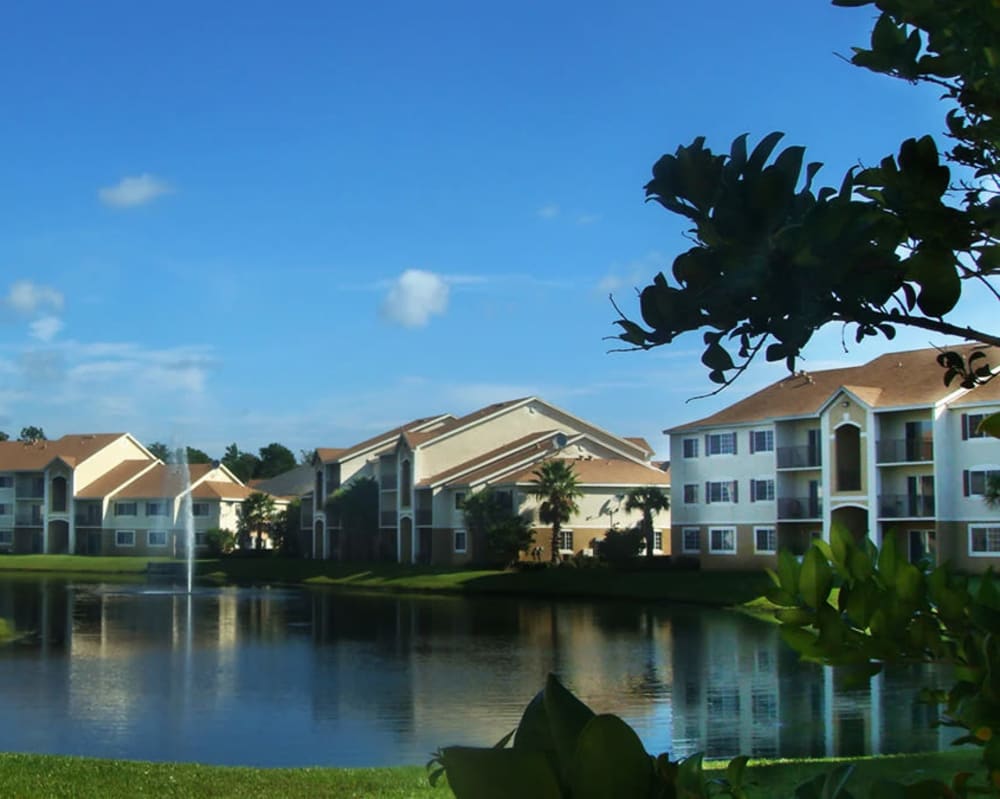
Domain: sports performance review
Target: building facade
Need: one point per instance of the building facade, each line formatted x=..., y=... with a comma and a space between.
x=883, y=449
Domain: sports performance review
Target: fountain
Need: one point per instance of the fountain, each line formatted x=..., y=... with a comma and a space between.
x=185, y=514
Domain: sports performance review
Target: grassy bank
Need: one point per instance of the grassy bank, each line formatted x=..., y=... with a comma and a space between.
x=707, y=588
x=51, y=776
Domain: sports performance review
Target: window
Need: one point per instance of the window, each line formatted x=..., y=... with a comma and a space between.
x=6, y=538
x=691, y=539
x=199, y=509
x=974, y=481
x=125, y=538
x=156, y=508
x=970, y=425
x=761, y=441
x=459, y=501
x=6, y=481
x=690, y=447
x=765, y=540
x=5, y=510
x=722, y=540
x=720, y=444
x=762, y=490
x=721, y=491
x=658, y=540
x=156, y=538
x=460, y=540
x=984, y=540
x=125, y=509
x=566, y=540
x=200, y=539
x=691, y=494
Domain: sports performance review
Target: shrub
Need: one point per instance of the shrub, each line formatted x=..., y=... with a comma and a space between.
x=620, y=545
x=220, y=542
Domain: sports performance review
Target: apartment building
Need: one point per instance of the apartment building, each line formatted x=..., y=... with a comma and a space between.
x=427, y=467
x=884, y=449
x=106, y=494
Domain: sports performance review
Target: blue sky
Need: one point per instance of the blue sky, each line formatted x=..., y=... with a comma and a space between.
x=307, y=221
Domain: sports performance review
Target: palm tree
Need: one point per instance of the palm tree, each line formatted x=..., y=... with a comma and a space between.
x=556, y=486
x=650, y=500
x=991, y=494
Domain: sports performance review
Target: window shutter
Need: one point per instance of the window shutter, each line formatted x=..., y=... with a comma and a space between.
x=708, y=451
x=965, y=476
x=753, y=488
x=708, y=493
x=965, y=430
x=735, y=439
x=751, y=452
x=736, y=490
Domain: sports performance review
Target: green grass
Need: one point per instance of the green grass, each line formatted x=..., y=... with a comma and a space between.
x=76, y=564
x=52, y=776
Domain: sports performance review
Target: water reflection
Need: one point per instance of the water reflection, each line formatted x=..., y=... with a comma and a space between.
x=288, y=677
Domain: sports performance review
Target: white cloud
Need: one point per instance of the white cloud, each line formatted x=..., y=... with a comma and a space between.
x=132, y=191
x=587, y=219
x=414, y=297
x=46, y=328
x=549, y=211
x=635, y=274
x=28, y=298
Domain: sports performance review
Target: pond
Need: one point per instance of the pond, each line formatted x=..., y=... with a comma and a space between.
x=290, y=677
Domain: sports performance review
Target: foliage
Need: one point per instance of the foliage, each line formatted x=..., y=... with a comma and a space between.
x=275, y=459
x=620, y=545
x=555, y=484
x=31, y=434
x=355, y=506
x=196, y=456
x=241, y=464
x=892, y=611
x=489, y=517
x=159, y=450
x=287, y=529
x=650, y=500
x=896, y=244
x=4, y=436
x=219, y=541
x=256, y=518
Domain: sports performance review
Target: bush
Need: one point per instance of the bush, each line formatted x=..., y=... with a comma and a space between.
x=220, y=542
x=620, y=545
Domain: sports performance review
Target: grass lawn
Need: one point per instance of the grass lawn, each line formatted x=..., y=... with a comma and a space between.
x=51, y=776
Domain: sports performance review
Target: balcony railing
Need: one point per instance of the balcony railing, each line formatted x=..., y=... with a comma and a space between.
x=805, y=457
x=800, y=508
x=425, y=516
x=387, y=518
x=89, y=517
x=905, y=506
x=904, y=450
x=29, y=487
x=28, y=517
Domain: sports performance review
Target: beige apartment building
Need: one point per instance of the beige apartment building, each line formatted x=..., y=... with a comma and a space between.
x=427, y=467
x=884, y=449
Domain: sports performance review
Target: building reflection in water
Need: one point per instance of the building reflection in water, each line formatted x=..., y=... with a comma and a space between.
x=289, y=677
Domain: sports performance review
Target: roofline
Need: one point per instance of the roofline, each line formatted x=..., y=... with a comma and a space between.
x=542, y=435
x=455, y=430
x=131, y=480
x=527, y=461
x=388, y=439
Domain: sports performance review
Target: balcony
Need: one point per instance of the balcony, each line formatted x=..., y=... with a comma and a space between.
x=904, y=450
x=425, y=517
x=28, y=516
x=805, y=457
x=387, y=518
x=29, y=487
x=905, y=506
x=87, y=516
x=800, y=508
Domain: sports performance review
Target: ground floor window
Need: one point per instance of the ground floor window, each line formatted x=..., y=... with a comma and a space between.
x=200, y=539
x=124, y=538
x=6, y=537
x=460, y=541
x=566, y=540
x=157, y=538
x=984, y=540
x=658, y=540
x=765, y=540
x=691, y=540
x=722, y=540
x=200, y=509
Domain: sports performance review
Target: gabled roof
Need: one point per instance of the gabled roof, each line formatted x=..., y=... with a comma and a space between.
x=604, y=471
x=293, y=483
x=112, y=480
x=330, y=455
x=213, y=489
x=495, y=461
x=34, y=456
x=420, y=437
x=896, y=379
x=639, y=441
x=163, y=482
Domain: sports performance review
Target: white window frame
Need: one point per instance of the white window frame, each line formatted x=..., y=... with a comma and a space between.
x=200, y=540
x=149, y=538
x=987, y=553
x=768, y=441
x=971, y=434
x=121, y=506
x=564, y=535
x=206, y=507
x=157, y=505
x=119, y=543
x=464, y=539
x=765, y=529
x=753, y=489
x=694, y=500
x=459, y=500
x=725, y=488
x=987, y=472
x=714, y=444
x=689, y=448
x=718, y=551
x=685, y=549
x=657, y=541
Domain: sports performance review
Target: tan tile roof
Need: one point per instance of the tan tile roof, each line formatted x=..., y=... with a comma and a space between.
x=110, y=481
x=388, y=435
x=162, y=481
x=892, y=380
x=35, y=456
x=990, y=392
x=211, y=489
x=639, y=441
x=603, y=471
x=329, y=454
x=494, y=461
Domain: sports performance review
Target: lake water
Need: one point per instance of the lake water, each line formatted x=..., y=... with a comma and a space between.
x=288, y=677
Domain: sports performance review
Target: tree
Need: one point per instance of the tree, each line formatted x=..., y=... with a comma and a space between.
x=488, y=517
x=196, y=455
x=287, y=528
x=241, y=464
x=555, y=484
x=895, y=245
x=31, y=434
x=4, y=436
x=256, y=518
x=159, y=450
x=275, y=459
x=650, y=500
x=354, y=506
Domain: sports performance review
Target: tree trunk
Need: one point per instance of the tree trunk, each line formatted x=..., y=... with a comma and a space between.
x=647, y=521
x=556, y=527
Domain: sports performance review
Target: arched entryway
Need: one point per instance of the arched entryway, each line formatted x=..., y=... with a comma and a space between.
x=848, y=454
x=854, y=519
x=58, y=543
